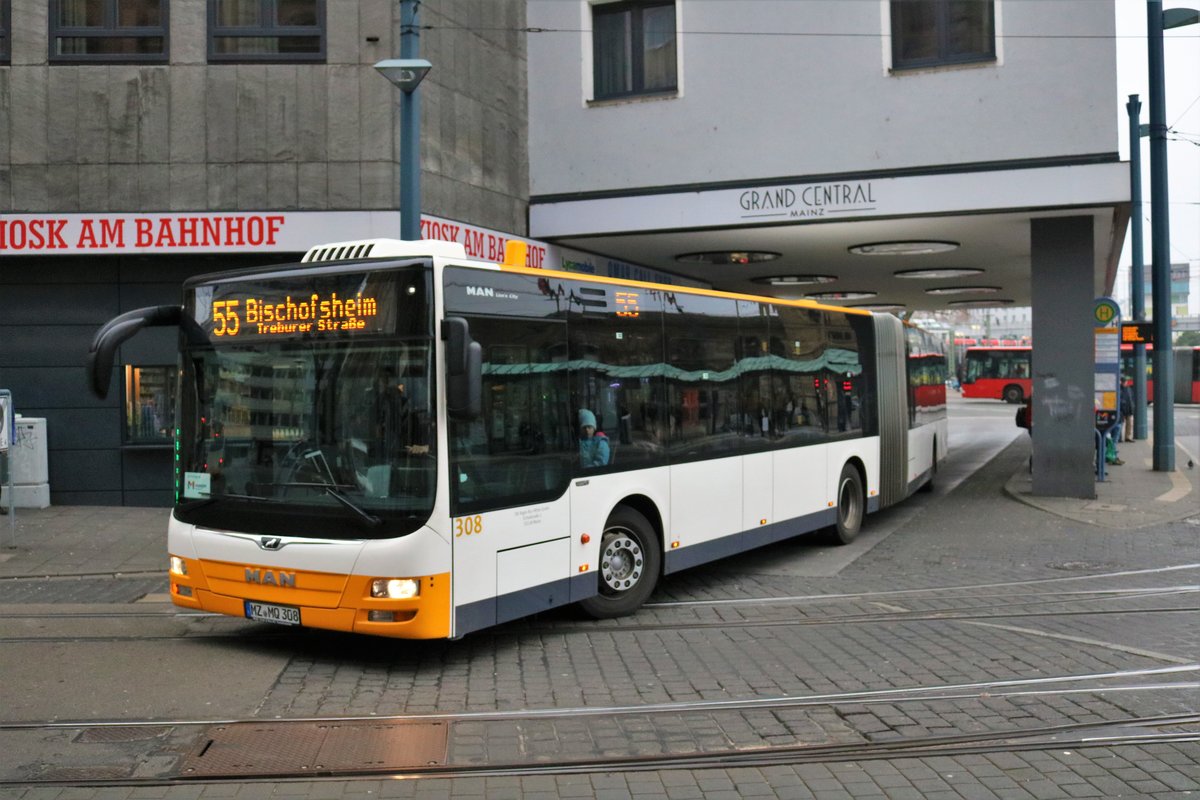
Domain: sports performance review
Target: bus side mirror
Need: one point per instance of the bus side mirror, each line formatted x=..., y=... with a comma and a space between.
x=103, y=351
x=464, y=370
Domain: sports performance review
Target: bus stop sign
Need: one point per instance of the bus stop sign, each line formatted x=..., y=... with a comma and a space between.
x=1107, y=319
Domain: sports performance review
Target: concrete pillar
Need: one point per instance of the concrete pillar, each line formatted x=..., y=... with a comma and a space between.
x=1063, y=357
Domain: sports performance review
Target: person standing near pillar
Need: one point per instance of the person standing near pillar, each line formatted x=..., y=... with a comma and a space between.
x=1127, y=407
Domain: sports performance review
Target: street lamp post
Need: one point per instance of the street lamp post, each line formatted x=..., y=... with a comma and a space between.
x=1137, y=280
x=1160, y=232
x=406, y=73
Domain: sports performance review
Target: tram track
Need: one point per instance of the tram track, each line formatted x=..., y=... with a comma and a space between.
x=942, y=591
x=1114, y=681
x=854, y=619
x=1008, y=610
x=1116, y=733
x=84, y=576
x=959, y=603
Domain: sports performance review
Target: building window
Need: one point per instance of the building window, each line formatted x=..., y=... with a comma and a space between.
x=113, y=31
x=266, y=30
x=5, y=27
x=934, y=32
x=633, y=47
x=149, y=404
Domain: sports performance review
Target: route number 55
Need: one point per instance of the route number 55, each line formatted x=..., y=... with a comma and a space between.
x=225, y=318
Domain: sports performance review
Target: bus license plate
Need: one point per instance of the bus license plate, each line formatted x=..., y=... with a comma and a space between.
x=266, y=612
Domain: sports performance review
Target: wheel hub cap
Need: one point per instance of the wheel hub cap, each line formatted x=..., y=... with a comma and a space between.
x=621, y=563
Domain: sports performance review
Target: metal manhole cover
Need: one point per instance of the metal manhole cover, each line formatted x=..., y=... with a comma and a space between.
x=306, y=748
x=121, y=733
x=82, y=774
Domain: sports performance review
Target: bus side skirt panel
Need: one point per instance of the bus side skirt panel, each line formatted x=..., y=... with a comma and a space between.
x=687, y=557
x=716, y=549
x=523, y=603
x=917, y=482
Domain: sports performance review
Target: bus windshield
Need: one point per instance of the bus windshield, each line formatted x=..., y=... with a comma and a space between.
x=328, y=436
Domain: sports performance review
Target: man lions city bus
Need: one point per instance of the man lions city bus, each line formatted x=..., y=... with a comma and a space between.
x=386, y=437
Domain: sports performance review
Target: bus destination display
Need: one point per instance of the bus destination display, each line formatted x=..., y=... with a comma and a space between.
x=1137, y=333
x=254, y=310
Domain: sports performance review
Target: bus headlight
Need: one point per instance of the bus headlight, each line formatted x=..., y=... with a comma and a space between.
x=395, y=588
x=178, y=565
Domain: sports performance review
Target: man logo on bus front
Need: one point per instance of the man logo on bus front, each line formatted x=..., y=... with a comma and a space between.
x=270, y=542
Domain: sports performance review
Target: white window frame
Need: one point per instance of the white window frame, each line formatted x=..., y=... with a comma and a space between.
x=885, y=18
x=588, y=55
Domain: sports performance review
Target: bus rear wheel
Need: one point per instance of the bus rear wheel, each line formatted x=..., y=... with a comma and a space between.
x=630, y=561
x=851, y=506
x=1014, y=394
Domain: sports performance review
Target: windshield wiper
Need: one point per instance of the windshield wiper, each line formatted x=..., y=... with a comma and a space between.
x=367, y=517
x=364, y=516
x=329, y=483
x=336, y=493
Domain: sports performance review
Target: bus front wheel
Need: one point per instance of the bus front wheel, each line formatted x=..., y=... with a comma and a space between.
x=1013, y=394
x=851, y=506
x=630, y=561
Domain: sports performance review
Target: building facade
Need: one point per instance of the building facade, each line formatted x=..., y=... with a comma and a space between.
x=906, y=155
x=145, y=141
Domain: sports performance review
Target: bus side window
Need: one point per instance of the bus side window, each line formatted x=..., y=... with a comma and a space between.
x=616, y=353
x=515, y=452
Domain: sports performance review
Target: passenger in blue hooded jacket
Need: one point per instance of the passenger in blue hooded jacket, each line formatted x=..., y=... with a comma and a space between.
x=593, y=444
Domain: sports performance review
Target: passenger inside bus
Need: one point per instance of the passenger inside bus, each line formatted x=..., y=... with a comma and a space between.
x=397, y=426
x=594, y=449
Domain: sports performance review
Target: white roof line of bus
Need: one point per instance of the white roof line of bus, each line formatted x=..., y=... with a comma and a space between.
x=437, y=248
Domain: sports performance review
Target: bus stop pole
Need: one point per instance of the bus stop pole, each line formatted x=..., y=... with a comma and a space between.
x=1137, y=277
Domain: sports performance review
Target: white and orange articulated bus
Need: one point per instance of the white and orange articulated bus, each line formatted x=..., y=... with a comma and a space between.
x=390, y=438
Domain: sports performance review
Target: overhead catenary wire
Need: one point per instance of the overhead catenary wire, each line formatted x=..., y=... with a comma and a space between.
x=798, y=34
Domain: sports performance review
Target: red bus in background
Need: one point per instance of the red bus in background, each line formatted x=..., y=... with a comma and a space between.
x=1004, y=372
x=998, y=373
x=1187, y=374
x=964, y=343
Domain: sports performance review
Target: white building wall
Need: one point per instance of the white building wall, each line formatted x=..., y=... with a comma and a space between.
x=774, y=88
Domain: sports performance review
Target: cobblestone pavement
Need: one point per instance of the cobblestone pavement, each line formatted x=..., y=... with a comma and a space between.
x=978, y=615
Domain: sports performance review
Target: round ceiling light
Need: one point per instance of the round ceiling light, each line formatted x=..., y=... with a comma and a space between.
x=963, y=290
x=729, y=257
x=911, y=248
x=881, y=307
x=795, y=280
x=946, y=272
x=848, y=295
x=979, y=303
